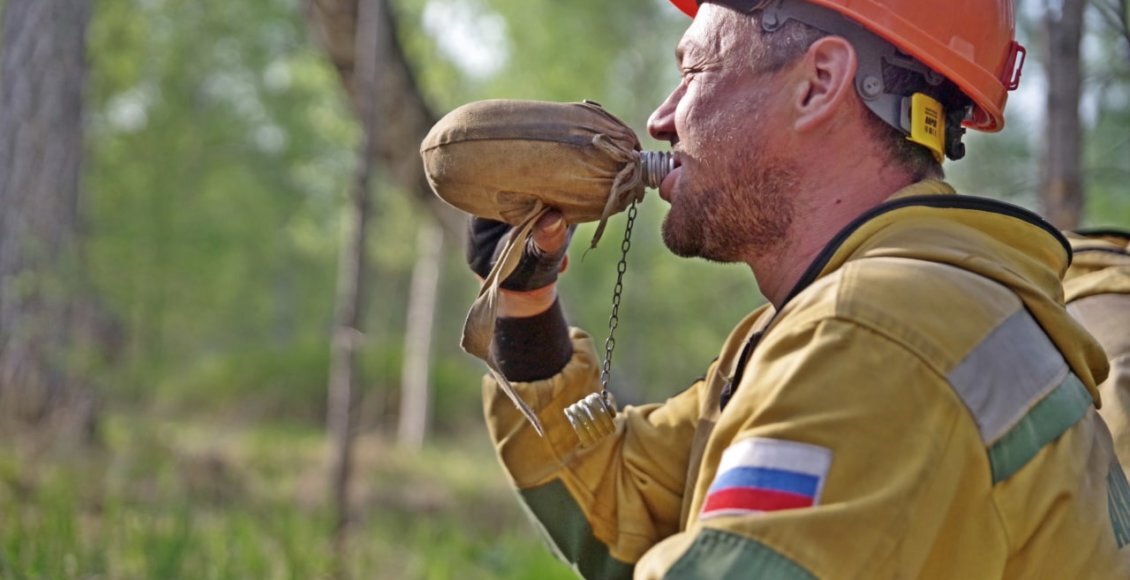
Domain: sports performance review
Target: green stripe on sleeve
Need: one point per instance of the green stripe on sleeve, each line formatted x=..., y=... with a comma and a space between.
x=718, y=554
x=568, y=531
x=1047, y=420
x=1118, y=502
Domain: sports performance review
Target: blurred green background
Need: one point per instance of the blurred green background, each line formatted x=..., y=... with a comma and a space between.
x=219, y=151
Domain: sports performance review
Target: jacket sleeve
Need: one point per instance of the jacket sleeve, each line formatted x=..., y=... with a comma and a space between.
x=840, y=455
x=1107, y=318
x=604, y=506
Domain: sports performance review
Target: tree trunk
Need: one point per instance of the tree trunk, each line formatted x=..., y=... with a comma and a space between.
x=347, y=334
x=414, y=383
x=43, y=74
x=405, y=116
x=1062, y=187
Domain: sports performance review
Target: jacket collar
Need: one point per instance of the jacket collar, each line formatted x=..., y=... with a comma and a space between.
x=924, y=195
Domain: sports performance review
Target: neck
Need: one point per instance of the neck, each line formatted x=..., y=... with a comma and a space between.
x=824, y=207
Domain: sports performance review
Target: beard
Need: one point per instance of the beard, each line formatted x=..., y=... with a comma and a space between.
x=732, y=211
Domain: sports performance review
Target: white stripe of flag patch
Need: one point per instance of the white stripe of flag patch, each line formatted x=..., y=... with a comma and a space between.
x=763, y=475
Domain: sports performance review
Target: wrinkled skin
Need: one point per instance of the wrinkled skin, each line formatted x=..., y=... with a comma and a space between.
x=731, y=194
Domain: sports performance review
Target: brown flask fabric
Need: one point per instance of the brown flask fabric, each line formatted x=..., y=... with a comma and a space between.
x=499, y=158
x=513, y=161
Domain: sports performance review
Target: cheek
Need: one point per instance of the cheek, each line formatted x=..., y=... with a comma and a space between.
x=698, y=119
x=712, y=116
x=684, y=115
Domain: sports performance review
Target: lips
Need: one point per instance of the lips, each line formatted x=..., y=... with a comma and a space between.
x=666, y=187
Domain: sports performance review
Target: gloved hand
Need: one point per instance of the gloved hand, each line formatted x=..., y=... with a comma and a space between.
x=543, y=259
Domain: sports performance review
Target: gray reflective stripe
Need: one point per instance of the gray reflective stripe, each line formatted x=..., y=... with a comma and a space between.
x=570, y=534
x=718, y=554
x=1003, y=376
x=1047, y=420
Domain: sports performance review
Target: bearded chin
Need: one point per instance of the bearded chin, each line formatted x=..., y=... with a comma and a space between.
x=694, y=232
x=735, y=220
x=681, y=239
x=675, y=239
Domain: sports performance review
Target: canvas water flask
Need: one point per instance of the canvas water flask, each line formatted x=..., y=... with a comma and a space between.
x=513, y=161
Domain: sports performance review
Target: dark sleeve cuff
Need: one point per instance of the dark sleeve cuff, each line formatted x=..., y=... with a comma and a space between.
x=534, y=348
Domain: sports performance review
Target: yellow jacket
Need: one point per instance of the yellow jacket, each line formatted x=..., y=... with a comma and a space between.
x=1097, y=289
x=921, y=407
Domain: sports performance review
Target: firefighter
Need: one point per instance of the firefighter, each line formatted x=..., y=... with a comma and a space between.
x=913, y=402
x=1097, y=291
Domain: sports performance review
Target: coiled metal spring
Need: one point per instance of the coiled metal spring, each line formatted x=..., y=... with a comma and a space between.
x=656, y=165
x=591, y=417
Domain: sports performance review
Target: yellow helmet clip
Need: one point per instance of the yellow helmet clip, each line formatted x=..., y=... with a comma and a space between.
x=925, y=122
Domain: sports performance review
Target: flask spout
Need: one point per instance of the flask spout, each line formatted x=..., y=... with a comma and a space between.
x=655, y=166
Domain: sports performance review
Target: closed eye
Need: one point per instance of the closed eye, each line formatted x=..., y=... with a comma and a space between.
x=689, y=73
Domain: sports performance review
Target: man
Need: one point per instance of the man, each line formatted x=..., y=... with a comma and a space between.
x=1097, y=290
x=915, y=402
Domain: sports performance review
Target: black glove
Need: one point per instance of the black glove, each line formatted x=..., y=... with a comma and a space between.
x=537, y=269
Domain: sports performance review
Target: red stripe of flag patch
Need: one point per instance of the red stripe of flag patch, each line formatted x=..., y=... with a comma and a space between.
x=764, y=475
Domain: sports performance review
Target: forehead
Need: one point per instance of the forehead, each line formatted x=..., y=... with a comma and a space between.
x=716, y=31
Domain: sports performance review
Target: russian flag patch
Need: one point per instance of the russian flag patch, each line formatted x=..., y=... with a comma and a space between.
x=765, y=475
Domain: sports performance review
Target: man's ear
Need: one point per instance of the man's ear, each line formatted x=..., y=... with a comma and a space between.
x=827, y=74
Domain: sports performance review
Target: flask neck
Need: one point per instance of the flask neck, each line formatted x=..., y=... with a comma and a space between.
x=656, y=165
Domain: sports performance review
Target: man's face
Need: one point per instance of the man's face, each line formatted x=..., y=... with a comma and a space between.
x=730, y=194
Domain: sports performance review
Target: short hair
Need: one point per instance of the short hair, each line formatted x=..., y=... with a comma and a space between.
x=788, y=43
x=918, y=160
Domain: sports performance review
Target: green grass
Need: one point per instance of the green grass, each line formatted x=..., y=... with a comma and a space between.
x=167, y=500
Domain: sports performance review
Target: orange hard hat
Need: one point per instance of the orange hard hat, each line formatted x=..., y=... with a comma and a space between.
x=970, y=42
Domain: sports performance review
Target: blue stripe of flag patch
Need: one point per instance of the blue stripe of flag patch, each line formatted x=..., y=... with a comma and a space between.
x=766, y=478
x=758, y=475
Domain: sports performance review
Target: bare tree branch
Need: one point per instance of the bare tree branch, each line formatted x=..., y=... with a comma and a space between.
x=1116, y=13
x=404, y=113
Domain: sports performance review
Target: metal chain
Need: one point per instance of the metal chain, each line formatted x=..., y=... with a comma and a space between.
x=614, y=319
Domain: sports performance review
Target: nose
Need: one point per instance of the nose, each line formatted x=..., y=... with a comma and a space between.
x=661, y=124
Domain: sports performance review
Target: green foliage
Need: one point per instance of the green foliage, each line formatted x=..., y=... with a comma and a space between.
x=281, y=382
x=1000, y=165
x=621, y=55
x=220, y=150
x=1107, y=153
x=174, y=500
x=1007, y=165
x=220, y=153
x=221, y=147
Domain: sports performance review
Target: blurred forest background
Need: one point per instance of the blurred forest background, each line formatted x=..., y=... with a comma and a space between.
x=184, y=186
